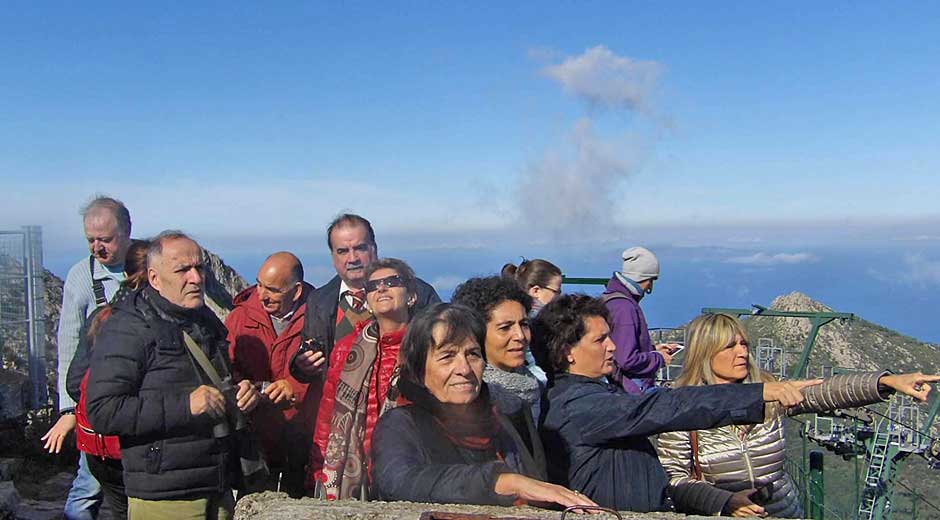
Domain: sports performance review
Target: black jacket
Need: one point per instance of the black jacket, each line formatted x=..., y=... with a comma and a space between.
x=320, y=318
x=597, y=434
x=140, y=379
x=414, y=460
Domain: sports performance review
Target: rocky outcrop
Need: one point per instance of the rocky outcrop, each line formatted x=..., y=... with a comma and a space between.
x=856, y=344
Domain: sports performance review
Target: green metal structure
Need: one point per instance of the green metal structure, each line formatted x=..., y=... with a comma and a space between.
x=885, y=457
x=816, y=319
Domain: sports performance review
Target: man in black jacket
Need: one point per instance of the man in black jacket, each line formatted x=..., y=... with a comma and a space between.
x=148, y=387
x=334, y=308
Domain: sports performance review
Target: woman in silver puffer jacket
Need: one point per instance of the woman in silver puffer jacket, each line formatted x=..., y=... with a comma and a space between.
x=733, y=461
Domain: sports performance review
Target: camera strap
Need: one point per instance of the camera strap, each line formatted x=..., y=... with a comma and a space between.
x=202, y=360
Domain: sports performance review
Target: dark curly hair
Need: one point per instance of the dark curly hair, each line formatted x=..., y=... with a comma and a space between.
x=559, y=326
x=484, y=294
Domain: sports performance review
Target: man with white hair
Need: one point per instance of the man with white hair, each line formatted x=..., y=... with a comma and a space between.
x=90, y=283
x=160, y=380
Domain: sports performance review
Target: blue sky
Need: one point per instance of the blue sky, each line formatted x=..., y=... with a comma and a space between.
x=786, y=133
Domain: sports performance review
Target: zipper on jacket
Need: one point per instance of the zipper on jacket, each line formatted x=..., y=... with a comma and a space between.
x=747, y=460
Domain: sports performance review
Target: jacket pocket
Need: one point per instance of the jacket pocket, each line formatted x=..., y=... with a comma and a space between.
x=155, y=456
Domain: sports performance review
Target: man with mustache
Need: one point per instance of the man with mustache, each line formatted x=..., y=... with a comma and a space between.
x=90, y=283
x=334, y=309
x=264, y=332
x=160, y=380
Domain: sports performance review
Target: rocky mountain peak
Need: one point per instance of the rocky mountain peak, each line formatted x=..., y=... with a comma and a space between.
x=849, y=344
x=797, y=301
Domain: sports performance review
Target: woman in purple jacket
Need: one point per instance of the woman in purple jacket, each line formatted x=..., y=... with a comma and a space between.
x=636, y=359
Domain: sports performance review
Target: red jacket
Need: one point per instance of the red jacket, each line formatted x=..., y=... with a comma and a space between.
x=258, y=354
x=385, y=362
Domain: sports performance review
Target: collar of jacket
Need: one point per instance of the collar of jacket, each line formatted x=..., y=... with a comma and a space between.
x=567, y=379
x=616, y=286
x=248, y=301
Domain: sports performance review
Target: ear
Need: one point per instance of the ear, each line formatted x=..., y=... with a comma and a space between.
x=298, y=290
x=534, y=291
x=153, y=279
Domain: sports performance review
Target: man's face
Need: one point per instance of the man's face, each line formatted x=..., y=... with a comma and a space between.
x=276, y=292
x=352, y=253
x=178, y=273
x=106, y=241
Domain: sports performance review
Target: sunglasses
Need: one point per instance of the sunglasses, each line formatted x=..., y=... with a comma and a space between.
x=388, y=282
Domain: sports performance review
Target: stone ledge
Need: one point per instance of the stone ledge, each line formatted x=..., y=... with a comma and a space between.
x=270, y=505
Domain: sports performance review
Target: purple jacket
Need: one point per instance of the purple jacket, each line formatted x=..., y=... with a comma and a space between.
x=635, y=357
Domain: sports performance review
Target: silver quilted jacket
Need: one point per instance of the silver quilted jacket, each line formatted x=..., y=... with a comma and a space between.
x=731, y=463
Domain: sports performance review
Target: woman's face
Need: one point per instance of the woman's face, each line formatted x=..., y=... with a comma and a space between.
x=507, y=335
x=593, y=355
x=545, y=294
x=387, y=295
x=452, y=373
x=730, y=363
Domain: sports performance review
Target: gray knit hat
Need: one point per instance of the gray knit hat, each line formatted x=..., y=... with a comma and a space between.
x=640, y=264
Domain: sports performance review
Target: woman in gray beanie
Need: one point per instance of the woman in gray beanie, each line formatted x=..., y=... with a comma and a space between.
x=636, y=359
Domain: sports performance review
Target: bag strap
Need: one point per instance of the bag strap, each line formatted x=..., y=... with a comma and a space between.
x=613, y=296
x=96, y=285
x=202, y=360
x=696, y=466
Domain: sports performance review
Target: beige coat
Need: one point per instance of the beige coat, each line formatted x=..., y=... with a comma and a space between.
x=733, y=458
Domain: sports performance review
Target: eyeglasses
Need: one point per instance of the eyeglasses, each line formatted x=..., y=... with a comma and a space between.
x=556, y=291
x=388, y=282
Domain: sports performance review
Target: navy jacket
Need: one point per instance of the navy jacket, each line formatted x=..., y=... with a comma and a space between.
x=320, y=318
x=597, y=434
x=414, y=460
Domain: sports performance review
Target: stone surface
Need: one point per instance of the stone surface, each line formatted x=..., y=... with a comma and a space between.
x=9, y=500
x=276, y=506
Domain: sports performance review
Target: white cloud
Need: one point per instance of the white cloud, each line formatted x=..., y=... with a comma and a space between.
x=766, y=259
x=573, y=194
x=447, y=282
x=605, y=79
x=921, y=271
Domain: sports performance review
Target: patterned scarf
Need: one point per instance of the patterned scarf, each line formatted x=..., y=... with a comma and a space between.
x=344, y=462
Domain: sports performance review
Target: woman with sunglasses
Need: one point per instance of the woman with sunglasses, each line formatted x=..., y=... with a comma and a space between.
x=541, y=279
x=357, y=384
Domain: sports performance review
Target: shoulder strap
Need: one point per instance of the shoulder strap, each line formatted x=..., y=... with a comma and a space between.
x=696, y=466
x=606, y=297
x=202, y=360
x=96, y=285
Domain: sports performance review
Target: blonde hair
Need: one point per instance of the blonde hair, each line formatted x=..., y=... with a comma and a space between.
x=707, y=335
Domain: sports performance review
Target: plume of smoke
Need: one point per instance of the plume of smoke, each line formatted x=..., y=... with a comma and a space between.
x=605, y=79
x=573, y=194
x=573, y=190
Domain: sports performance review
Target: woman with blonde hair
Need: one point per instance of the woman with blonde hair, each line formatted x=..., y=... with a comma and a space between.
x=720, y=471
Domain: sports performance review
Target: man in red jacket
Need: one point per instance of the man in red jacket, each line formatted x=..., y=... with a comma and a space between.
x=264, y=334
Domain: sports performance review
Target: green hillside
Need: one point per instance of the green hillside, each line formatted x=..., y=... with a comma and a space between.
x=861, y=345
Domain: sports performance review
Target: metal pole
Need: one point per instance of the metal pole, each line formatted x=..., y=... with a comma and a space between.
x=35, y=307
x=817, y=493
